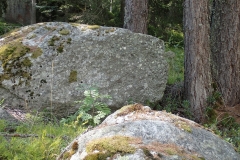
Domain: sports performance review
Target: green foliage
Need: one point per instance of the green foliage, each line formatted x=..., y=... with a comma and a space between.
x=175, y=38
x=3, y=7
x=227, y=128
x=165, y=21
x=91, y=109
x=36, y=140
x=176, y=65
x=222, y=125
x=3, y=125
x=215, y=97
x=165, y=16
x=6, y=27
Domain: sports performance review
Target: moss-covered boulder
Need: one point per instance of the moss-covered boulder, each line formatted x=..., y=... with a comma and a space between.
x=135, y=132
x=43, y=65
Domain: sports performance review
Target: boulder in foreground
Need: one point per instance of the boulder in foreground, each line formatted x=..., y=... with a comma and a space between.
x=136, y=132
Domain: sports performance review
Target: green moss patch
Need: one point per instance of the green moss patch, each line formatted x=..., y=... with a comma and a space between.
x=13, y=61
x=60, y=48
x=168, y=149
x=93, y=27
x=183, y=125
x=73, y=76
x=75, y=24
x=130, y=108
x=36, y=53
x=69, y=40
x=27, y=62
x=109, y=146
x=52, y=40
x=64, y=32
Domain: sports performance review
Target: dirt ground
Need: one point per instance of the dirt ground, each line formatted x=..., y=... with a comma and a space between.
x=231, y=111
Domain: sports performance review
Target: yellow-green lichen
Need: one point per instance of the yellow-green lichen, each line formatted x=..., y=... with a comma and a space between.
x=64, y=32
x=69, y=40
x=75, y=24
x=168, y=149
x=93, y=27
x=27, y=62
x=60, y=48
x=36, y=53
x=74, y=148
x=129, y=108
x=73, y=76
x=52, y=40
x=32, y=36
x=183, y=125
x=11, y=56
x=50, y=28
x=109, y=146
x=110, y=30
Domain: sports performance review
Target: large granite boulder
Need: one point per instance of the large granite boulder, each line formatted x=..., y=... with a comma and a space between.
x=42, y=66
x=136, y=132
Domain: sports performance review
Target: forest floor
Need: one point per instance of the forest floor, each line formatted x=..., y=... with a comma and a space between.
x=225, y=111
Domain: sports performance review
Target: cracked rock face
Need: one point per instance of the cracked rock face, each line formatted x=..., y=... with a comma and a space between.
x=136, y=132
x=43, y=65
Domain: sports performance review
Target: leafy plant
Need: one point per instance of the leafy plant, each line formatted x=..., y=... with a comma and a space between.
x=1, y=102
x=91, y=109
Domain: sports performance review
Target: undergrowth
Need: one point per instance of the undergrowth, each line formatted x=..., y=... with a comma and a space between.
x=223, y=125
x=226, y=126
x=91, y=110
x=35, y=140
x=176, y=65
x=6, y=27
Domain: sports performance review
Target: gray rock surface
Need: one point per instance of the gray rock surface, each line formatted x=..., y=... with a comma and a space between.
x=42, y=66
x=4, y=115
x=153, y=134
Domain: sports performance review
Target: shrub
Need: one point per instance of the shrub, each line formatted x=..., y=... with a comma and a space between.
x=91, y=109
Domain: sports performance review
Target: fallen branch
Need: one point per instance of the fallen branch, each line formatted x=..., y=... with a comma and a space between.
x=29, y=135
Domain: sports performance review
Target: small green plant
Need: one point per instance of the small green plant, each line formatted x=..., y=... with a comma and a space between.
x=1, y=102
x=227, y=128
x=215, y=97
x=91, y=109
x=187, y=111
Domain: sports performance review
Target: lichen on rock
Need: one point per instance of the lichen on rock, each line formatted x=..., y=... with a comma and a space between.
x=109, y=146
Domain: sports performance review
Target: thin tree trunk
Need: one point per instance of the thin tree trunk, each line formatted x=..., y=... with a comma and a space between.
x=33, y=13
x=225, y=47
x=136, y=15
x=197, y=76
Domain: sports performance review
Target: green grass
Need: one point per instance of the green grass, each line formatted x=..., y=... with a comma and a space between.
x=35, y=140
x=176, y=65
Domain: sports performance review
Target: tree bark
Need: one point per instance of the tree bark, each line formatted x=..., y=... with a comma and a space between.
x=33, y=14
x=136, y=15
x=197, y=76
x=225, y=48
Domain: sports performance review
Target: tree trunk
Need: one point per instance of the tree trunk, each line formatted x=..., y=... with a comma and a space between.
x=197, y=76
x=136, y=15
x=225, y=47
x=33, y=14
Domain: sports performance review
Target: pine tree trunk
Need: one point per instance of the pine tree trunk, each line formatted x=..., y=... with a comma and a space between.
x=225, y=47
x=136, y=15
x=33, y=12
x=197, y=76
